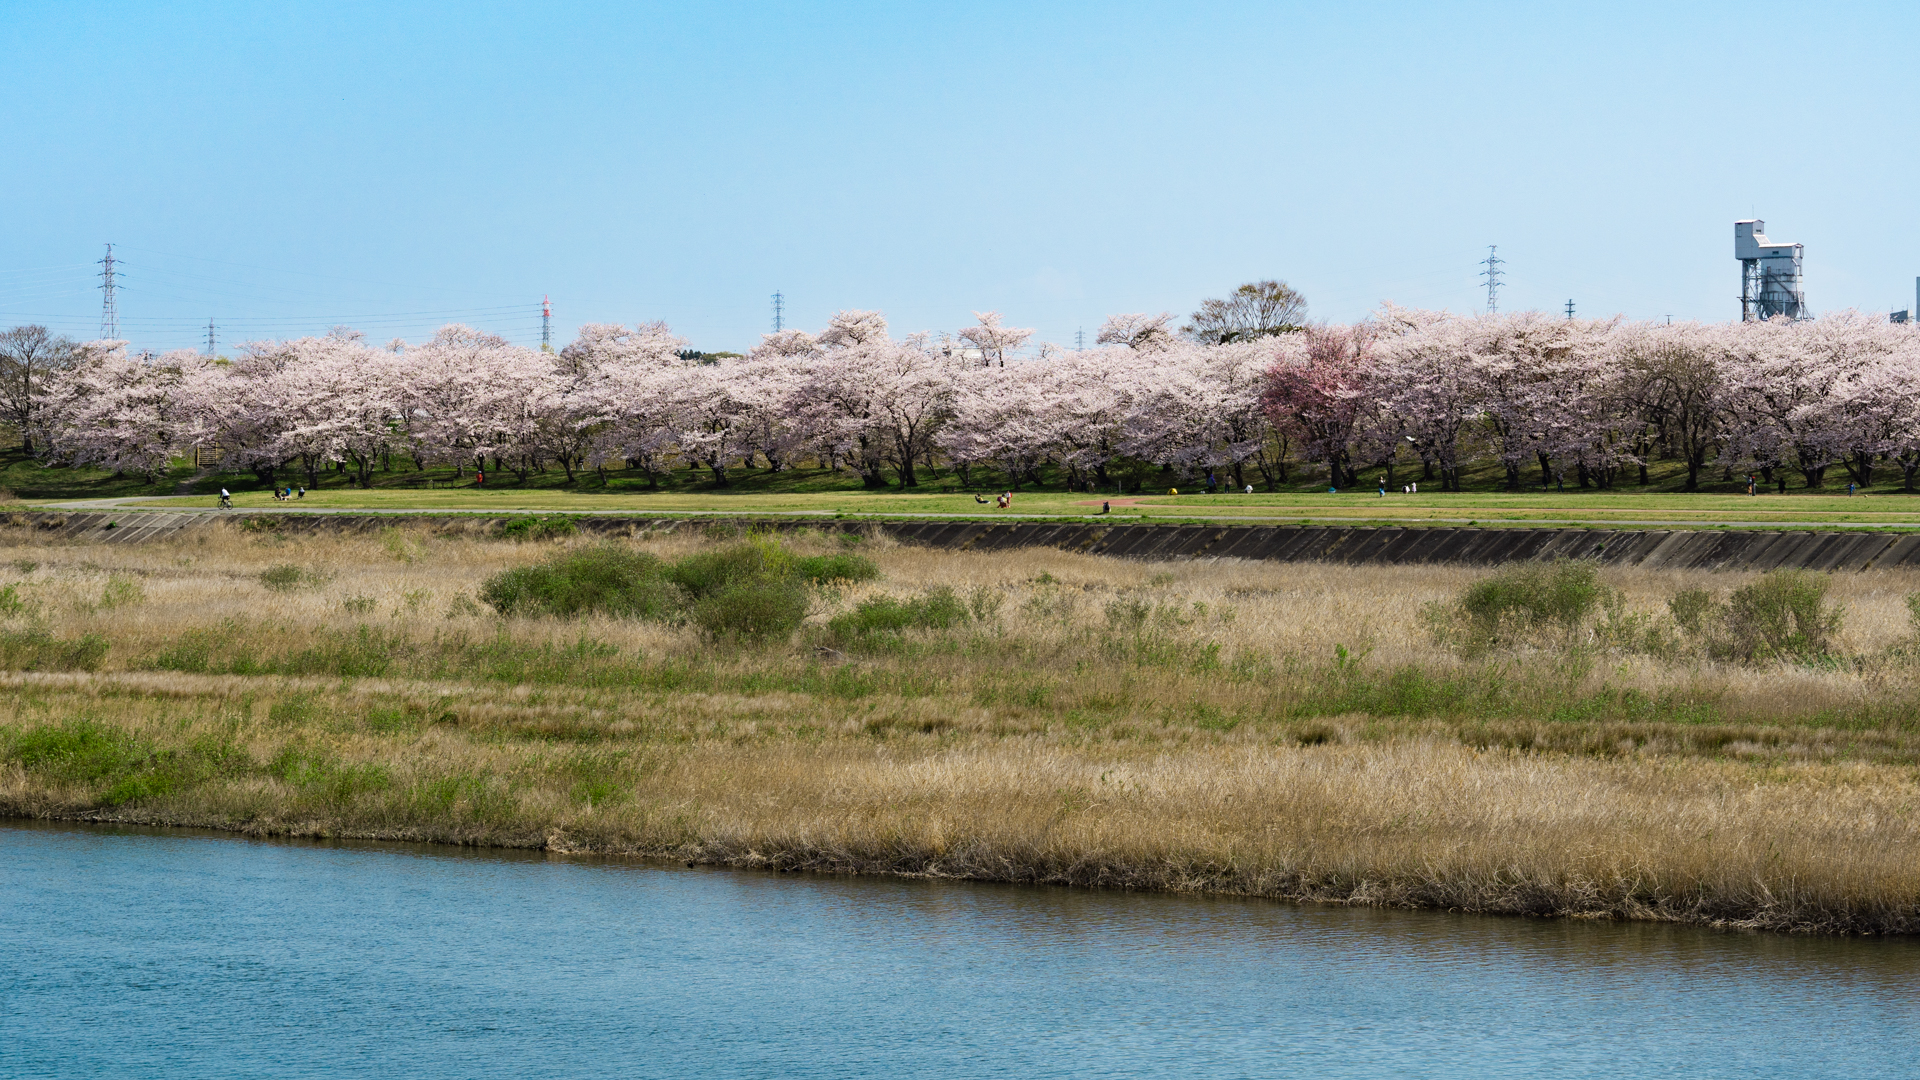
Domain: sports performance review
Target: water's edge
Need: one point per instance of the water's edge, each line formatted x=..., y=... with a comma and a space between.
x=1188, y=878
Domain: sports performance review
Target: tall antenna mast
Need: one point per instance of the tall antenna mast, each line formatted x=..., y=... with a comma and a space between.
x=1492, y=274
x=546, y=325
x=779, y=312
x=210, y=337
x=109, y=315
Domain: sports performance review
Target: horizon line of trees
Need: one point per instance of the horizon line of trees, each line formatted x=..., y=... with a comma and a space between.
x=1248, y=391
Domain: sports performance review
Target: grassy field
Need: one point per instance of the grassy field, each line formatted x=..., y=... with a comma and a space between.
x=823, y=492
x=1292, y=731
x=1484, y=508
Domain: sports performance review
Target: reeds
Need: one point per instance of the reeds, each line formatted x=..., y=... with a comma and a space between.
x=1276, y=730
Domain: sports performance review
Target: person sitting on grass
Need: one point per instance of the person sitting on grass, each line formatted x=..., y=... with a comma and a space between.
x=303, y=492
x=979, y=498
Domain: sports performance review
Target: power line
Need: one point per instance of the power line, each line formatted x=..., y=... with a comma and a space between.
x=779, y=312
x=109, y=315
x=1492, y=273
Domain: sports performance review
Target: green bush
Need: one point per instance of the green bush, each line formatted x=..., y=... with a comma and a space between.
x=887, y=617
x=821, y=569
x=1692, y=610
x=758, y=558
x=753, y=590
x=1527, y=603
x=606, y=580
x=1530, y=595
x=754, y=608
x=1782, y=616
x=531, y=527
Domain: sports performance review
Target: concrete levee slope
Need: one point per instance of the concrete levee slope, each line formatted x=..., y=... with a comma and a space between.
x=1670, y=549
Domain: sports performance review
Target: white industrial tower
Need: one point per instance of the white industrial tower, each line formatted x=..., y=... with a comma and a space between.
x=1769, y=274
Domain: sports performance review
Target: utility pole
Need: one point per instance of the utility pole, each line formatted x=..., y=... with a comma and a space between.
x=546, y=325
x=109, y=315
x=779, y=312
x=210, y=337
x=1492, y=273
x=1569, y=309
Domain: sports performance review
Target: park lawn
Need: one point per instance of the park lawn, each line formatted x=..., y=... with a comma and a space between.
x=1351, y=507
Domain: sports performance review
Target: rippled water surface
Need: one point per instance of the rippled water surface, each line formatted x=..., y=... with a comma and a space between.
x=142, y=953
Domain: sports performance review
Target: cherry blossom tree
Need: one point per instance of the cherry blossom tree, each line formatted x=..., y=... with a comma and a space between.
x=994, y=340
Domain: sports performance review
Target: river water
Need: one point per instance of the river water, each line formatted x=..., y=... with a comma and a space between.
x=144, y=953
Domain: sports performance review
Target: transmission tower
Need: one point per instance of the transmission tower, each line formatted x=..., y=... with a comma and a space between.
x=1080, y=338
x=1569, y=309
x=210, y=337
x=1492, y=273
x=109, y=316
x=546, y=325
x=779, y=312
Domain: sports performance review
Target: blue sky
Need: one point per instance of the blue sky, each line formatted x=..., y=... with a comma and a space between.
x=282, y=167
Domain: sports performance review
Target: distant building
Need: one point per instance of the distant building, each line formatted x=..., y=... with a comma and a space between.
x=1769, y=274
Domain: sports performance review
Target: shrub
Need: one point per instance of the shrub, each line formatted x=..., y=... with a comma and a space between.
x=1530, y=595
x=753, y=609
x=1692, y=610
x=532, y=527
x=1783, y=616
x=821, y=569
x=1528, y=603
x=886, y=617
x=608, y=580
x=752, y=590
x=758, y=557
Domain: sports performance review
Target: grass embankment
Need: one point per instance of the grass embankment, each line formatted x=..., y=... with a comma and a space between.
x=1288, y=731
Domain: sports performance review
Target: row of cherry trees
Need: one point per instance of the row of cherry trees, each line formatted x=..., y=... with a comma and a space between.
x=1586, y=401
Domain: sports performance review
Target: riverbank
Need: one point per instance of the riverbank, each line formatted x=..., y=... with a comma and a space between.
x=1261, y=729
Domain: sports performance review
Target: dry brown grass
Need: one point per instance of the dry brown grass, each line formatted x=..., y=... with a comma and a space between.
x=1042, y=747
